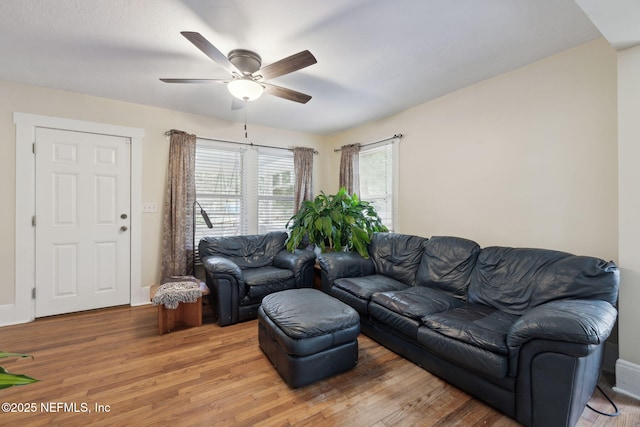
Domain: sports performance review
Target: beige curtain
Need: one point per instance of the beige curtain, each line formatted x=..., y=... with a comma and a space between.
x=177, y=232
x=303, y=166
x=349, y=166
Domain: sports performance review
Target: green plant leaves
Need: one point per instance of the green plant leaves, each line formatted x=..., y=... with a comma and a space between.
x=4, y=354
x=335, y=222
x=7, y=379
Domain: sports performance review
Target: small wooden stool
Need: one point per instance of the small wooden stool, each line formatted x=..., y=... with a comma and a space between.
x=187, y=314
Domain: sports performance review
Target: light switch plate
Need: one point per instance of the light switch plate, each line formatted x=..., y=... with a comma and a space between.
x=149, y=207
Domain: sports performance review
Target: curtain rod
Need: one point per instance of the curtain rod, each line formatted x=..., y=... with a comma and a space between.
x=251, y=144
x=396, y=136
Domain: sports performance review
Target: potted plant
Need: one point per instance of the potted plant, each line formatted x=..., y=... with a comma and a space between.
x=8, y=379
x=335, y=222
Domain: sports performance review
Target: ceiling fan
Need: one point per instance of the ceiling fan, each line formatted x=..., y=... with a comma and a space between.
x=248, y=80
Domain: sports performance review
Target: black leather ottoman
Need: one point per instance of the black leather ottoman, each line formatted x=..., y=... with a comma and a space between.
x=308, y=335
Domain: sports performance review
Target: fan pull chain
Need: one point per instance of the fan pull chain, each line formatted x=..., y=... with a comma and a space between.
x=245, y=123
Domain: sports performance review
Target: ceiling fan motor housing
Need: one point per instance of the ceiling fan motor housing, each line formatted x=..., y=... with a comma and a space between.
x=245, y=60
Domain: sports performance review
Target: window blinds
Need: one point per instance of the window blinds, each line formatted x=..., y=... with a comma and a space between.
x=276, y=179
x=376, y=180
x=244, y=191
x=221, y=190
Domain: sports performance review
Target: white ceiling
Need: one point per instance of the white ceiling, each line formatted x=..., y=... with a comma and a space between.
x=617, y=20
x=375, y=57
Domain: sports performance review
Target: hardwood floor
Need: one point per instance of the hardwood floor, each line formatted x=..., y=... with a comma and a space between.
x=112, y=363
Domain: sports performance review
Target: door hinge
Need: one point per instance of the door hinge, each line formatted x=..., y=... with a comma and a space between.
x=33, y=221
x=33, y=148
x=33, y=293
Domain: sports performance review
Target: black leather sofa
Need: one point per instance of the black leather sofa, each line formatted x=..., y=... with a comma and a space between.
x=520, y=329
x=241, y=270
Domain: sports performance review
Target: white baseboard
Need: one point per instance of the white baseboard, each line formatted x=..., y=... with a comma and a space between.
x=627, y=379
x=10, y=315
x=140, y=296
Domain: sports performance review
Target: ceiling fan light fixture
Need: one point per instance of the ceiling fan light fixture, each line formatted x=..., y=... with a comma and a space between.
x=245, y=89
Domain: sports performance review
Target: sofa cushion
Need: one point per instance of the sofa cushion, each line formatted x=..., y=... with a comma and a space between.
x=403, y=310
x=447, y=263
x=416, y=302
x=399, y=324
x=468, y=356
x=266, y=280
x=514, y=280
x=476, y=324
x=357, y=291
x=246, y=251
x=396, y=255
x=473, y=335
x=365, y=287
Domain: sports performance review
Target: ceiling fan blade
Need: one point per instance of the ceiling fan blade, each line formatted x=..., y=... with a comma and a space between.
x=283, y=92
x=287, y=65
x=195, y=80
x=210, y=50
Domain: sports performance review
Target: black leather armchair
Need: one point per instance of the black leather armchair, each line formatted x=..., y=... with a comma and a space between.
x=241, y=270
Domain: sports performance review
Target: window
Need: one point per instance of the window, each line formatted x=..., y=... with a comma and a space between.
x=376, y=176
x=275, y=189
x=220, y=190
x=243, y=191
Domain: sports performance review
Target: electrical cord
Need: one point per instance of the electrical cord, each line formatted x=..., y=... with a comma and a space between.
x=617, y=411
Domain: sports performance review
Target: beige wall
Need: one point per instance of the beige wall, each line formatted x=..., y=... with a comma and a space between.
x=154, y=121
x=528, y=158
x=629, y=176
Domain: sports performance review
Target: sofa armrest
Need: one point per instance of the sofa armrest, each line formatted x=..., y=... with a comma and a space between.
x=577, y=321
x=554, y=381
x=226, y=282
x=335, y=265
x=294, y=260
x=301, y=262
x=587, y=322
x=222, y=272
x=223, y=266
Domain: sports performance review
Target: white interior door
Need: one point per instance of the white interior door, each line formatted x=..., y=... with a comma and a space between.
x=82, y=221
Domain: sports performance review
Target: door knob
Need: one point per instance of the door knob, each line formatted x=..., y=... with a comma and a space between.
x=123, y=228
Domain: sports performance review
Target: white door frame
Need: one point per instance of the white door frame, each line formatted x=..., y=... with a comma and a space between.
x=23, y=308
